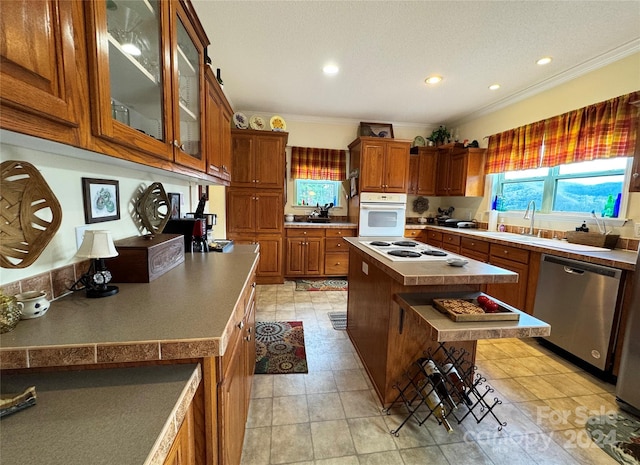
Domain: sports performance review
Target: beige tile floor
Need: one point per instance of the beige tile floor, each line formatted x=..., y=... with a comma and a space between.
x=331, y=416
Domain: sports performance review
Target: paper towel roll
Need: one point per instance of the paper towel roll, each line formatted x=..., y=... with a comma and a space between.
x=493, y=220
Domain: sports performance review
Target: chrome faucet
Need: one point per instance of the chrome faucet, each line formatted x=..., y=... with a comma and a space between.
x=532, y=206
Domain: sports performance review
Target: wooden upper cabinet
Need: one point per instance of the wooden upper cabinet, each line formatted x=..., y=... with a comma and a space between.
x=146, y=69
x=217, y=134
x=40, y=68
x=383, y=163
x=258, y=159
x=250, y=211
x=460, y=172
x=427, y=171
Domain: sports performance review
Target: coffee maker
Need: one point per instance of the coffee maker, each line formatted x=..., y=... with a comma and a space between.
x=194, y=231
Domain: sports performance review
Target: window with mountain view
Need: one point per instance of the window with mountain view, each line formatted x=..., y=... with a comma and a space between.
x=577, y=187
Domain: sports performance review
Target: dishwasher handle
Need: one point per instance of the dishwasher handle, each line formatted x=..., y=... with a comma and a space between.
x=570, y=270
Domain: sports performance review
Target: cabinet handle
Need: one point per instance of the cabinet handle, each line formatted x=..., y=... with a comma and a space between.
x=253, y=285
x=176, y=143
x=241, y=325
x=248, y=338
x=635, y=175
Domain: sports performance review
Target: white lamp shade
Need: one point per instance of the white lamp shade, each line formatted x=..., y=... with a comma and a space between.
x=97, y=244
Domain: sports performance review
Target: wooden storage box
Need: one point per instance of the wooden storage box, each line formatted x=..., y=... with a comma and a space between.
x=608, y=241
x=142, y=259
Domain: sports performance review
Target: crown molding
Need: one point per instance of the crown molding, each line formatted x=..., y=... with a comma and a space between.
x=588, y=66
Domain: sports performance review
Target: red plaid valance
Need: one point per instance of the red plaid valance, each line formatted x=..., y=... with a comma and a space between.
x=602, y=130
x=320, y=164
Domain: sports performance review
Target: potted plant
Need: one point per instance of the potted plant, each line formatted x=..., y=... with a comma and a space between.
x=440, y=135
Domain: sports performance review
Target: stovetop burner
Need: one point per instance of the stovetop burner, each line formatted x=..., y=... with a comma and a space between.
x=405, y=243
x=404, y=253
x=435, y=253
x=380, y=243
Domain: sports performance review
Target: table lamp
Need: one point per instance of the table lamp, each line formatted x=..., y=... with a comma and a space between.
x=97, y=245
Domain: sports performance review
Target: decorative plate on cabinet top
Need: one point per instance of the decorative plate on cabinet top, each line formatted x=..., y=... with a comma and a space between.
x=277, y=123
x=419, y=141
x=256, y=122
x=240, y=120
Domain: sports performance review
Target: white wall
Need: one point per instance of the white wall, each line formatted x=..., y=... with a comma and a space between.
x=63, y=175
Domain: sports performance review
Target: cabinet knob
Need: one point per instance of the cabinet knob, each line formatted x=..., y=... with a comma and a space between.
x=248, y=338
x=635, y=175
x=339, y=245
x=176, y=143
x=304, y=232
x=241, y=325
x=337, y=263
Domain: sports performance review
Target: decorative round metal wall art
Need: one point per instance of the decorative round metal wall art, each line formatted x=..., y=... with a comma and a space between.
x=154, y=208
x=421, y=205
x=30, y=214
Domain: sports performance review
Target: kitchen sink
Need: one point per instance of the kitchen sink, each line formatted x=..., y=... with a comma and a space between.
x=553, y=243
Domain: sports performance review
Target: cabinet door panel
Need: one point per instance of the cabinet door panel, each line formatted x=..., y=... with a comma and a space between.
x=188, y=60
x=241, y=211
x=457, y=173
x=269, y=212
x=213, y=132
x=396, y=167
x=514, y=294
x=232, y=393
x=38, y=58
x=269, y=162
x=427, y=171
x=270, y=256
x=315, y=256
x=242, y=161
x=295, y=257
x=442, y=177
x=372, y=174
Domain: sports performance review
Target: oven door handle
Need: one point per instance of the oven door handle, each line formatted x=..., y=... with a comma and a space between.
x=382, y=207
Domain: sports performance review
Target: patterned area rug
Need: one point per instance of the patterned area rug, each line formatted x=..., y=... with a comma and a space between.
x=618, y=435
x=321, y=285
x=338, y=320
x=280, y=347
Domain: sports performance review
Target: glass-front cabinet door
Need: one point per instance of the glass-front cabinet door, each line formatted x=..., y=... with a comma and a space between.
x=146, y=70
x=188, y=62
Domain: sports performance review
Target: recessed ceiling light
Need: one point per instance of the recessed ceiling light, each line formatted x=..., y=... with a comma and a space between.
x=433, y=79
x=494, y=86
x=544, y=61
x=330, y=69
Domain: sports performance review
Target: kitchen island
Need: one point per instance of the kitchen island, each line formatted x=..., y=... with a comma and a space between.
x=200, y=313
x=387, y=337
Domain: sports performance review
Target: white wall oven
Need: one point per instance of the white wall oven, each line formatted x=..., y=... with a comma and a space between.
x=382, y=215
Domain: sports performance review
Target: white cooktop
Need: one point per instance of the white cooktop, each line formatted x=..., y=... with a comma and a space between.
x=415, y=251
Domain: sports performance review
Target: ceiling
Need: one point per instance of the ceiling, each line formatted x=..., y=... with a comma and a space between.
x=271, y=53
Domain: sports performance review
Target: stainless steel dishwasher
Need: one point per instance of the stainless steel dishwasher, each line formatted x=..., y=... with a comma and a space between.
x=578, y=300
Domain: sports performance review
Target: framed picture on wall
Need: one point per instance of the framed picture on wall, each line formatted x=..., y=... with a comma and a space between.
x=174, y=204
x=101, y=199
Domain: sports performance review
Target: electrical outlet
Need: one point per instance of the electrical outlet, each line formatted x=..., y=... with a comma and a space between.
x=637, y=229
x=80, y=234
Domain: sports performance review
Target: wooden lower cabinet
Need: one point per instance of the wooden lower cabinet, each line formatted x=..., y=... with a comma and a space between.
x=433, y=238
x=516, y=260
x=305, y=252
x=451, y=242
x=183, y=449
x=417, y=234
x=317, y=251
x=270, y=267
x=236, y=370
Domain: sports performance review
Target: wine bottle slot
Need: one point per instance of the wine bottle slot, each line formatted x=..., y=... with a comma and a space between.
x=435, y=404
x=456, y=380
x=439, y=382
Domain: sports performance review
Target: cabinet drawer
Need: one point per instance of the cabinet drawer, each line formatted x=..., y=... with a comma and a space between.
x=335, y=244
x=415, y=233
x=336, y=263
x=510, y=253
x=451, y=247
x=434, y=236
x=474, y=245
x=305, y=232
x=347, y=232
x=451, y=239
